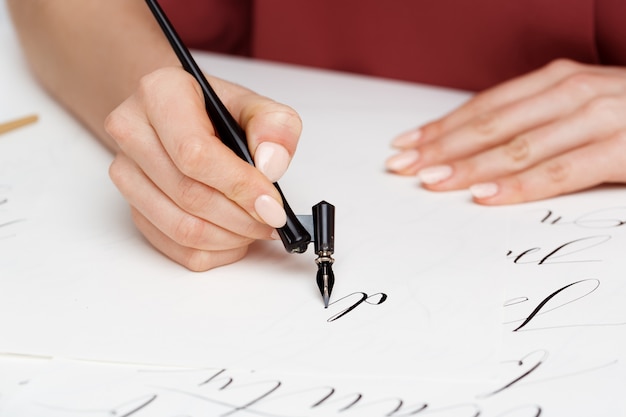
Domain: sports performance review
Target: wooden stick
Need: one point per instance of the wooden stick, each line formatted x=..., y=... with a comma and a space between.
x=14, y=124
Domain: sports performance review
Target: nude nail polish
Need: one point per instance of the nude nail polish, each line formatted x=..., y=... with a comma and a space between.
x=484, y=190
x=270, y=211
x=272, y=160
x=402, y=160
x=435, y=174
x=407, y=139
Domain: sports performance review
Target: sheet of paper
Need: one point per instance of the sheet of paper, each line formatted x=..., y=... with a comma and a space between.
x=409, y=264
x=544, y=279
x=563, y=351
x=69, y=388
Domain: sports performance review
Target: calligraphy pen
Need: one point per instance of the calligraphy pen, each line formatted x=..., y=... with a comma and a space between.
x=294, y=235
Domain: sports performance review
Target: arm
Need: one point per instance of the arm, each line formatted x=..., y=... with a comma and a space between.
x=193, y=198
x=90, y=55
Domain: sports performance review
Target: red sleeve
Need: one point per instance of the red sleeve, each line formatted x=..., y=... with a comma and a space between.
x=611, y=31
x=468, y=44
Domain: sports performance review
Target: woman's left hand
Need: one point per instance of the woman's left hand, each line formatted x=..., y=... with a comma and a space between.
x=557, y=130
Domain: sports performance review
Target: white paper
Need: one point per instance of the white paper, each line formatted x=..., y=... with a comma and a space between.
x=86, y=285
x=78, y=281
x=66, y=388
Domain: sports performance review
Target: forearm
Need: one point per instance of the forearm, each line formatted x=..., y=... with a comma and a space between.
x=90, y=54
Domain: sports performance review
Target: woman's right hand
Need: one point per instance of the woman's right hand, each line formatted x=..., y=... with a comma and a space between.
x=191, y=196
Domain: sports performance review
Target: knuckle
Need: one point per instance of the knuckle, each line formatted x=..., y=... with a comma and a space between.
x=486, y=125
x=190, y=195
x=240, y=187
x=280, y=115
x=116, y=126
x=605, y=110
x=147, y=83
x=562, y=66
x=149, y=86
x=190, y=231
x=189, y=156
x=517, y=150
x=579, y=83
x=557, y=171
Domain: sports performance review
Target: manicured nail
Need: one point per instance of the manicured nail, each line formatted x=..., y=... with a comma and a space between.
x=484, y=190
x=270, y=211
x=272, y=160
x=402, y=160
x=407, y=139
x=435, y=174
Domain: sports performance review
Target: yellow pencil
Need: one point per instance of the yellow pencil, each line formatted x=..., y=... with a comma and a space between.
x=14, y=124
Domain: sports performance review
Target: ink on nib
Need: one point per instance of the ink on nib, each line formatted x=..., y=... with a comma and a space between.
x=325, y=277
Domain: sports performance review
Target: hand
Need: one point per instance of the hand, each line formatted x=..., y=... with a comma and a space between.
x=191, y=196
x=557, y=130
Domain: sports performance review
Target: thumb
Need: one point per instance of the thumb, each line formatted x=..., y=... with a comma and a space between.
x=272, y=129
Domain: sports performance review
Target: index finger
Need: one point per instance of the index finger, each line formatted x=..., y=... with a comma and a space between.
x=175, y=108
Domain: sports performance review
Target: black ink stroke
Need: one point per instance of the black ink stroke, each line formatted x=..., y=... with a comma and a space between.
x=363, y=298
x=544, y=306
x=597, y=219
x=536, y=358
x=356, y=400
x=136, y=406
x=561, y=251
x=274, y=385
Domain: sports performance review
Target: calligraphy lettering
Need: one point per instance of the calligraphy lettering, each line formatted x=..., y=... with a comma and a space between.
x=374, y=299
x=562, y=253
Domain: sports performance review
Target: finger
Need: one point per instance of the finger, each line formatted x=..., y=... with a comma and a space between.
x=176, y=111
x=191, y=258
x=181, y=227
x=580, y=169
x=514, y=90
x=598, y=119
x=272, y=130
x=139, y=141
x=492, y=129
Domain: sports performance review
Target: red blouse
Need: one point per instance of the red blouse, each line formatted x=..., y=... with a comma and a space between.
x=456, y=43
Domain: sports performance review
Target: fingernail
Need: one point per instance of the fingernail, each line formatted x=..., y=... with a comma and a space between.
x=272, y=160
x=270, y=211
x=402, y=160
x=275, y=235
x=435, y=174
x=407, y=139
x=484, y=190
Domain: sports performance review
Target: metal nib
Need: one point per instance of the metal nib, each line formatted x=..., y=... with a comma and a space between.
x=325, y=293
x=325, y=279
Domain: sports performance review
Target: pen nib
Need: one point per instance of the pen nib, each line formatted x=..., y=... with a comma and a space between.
x=325, y=280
